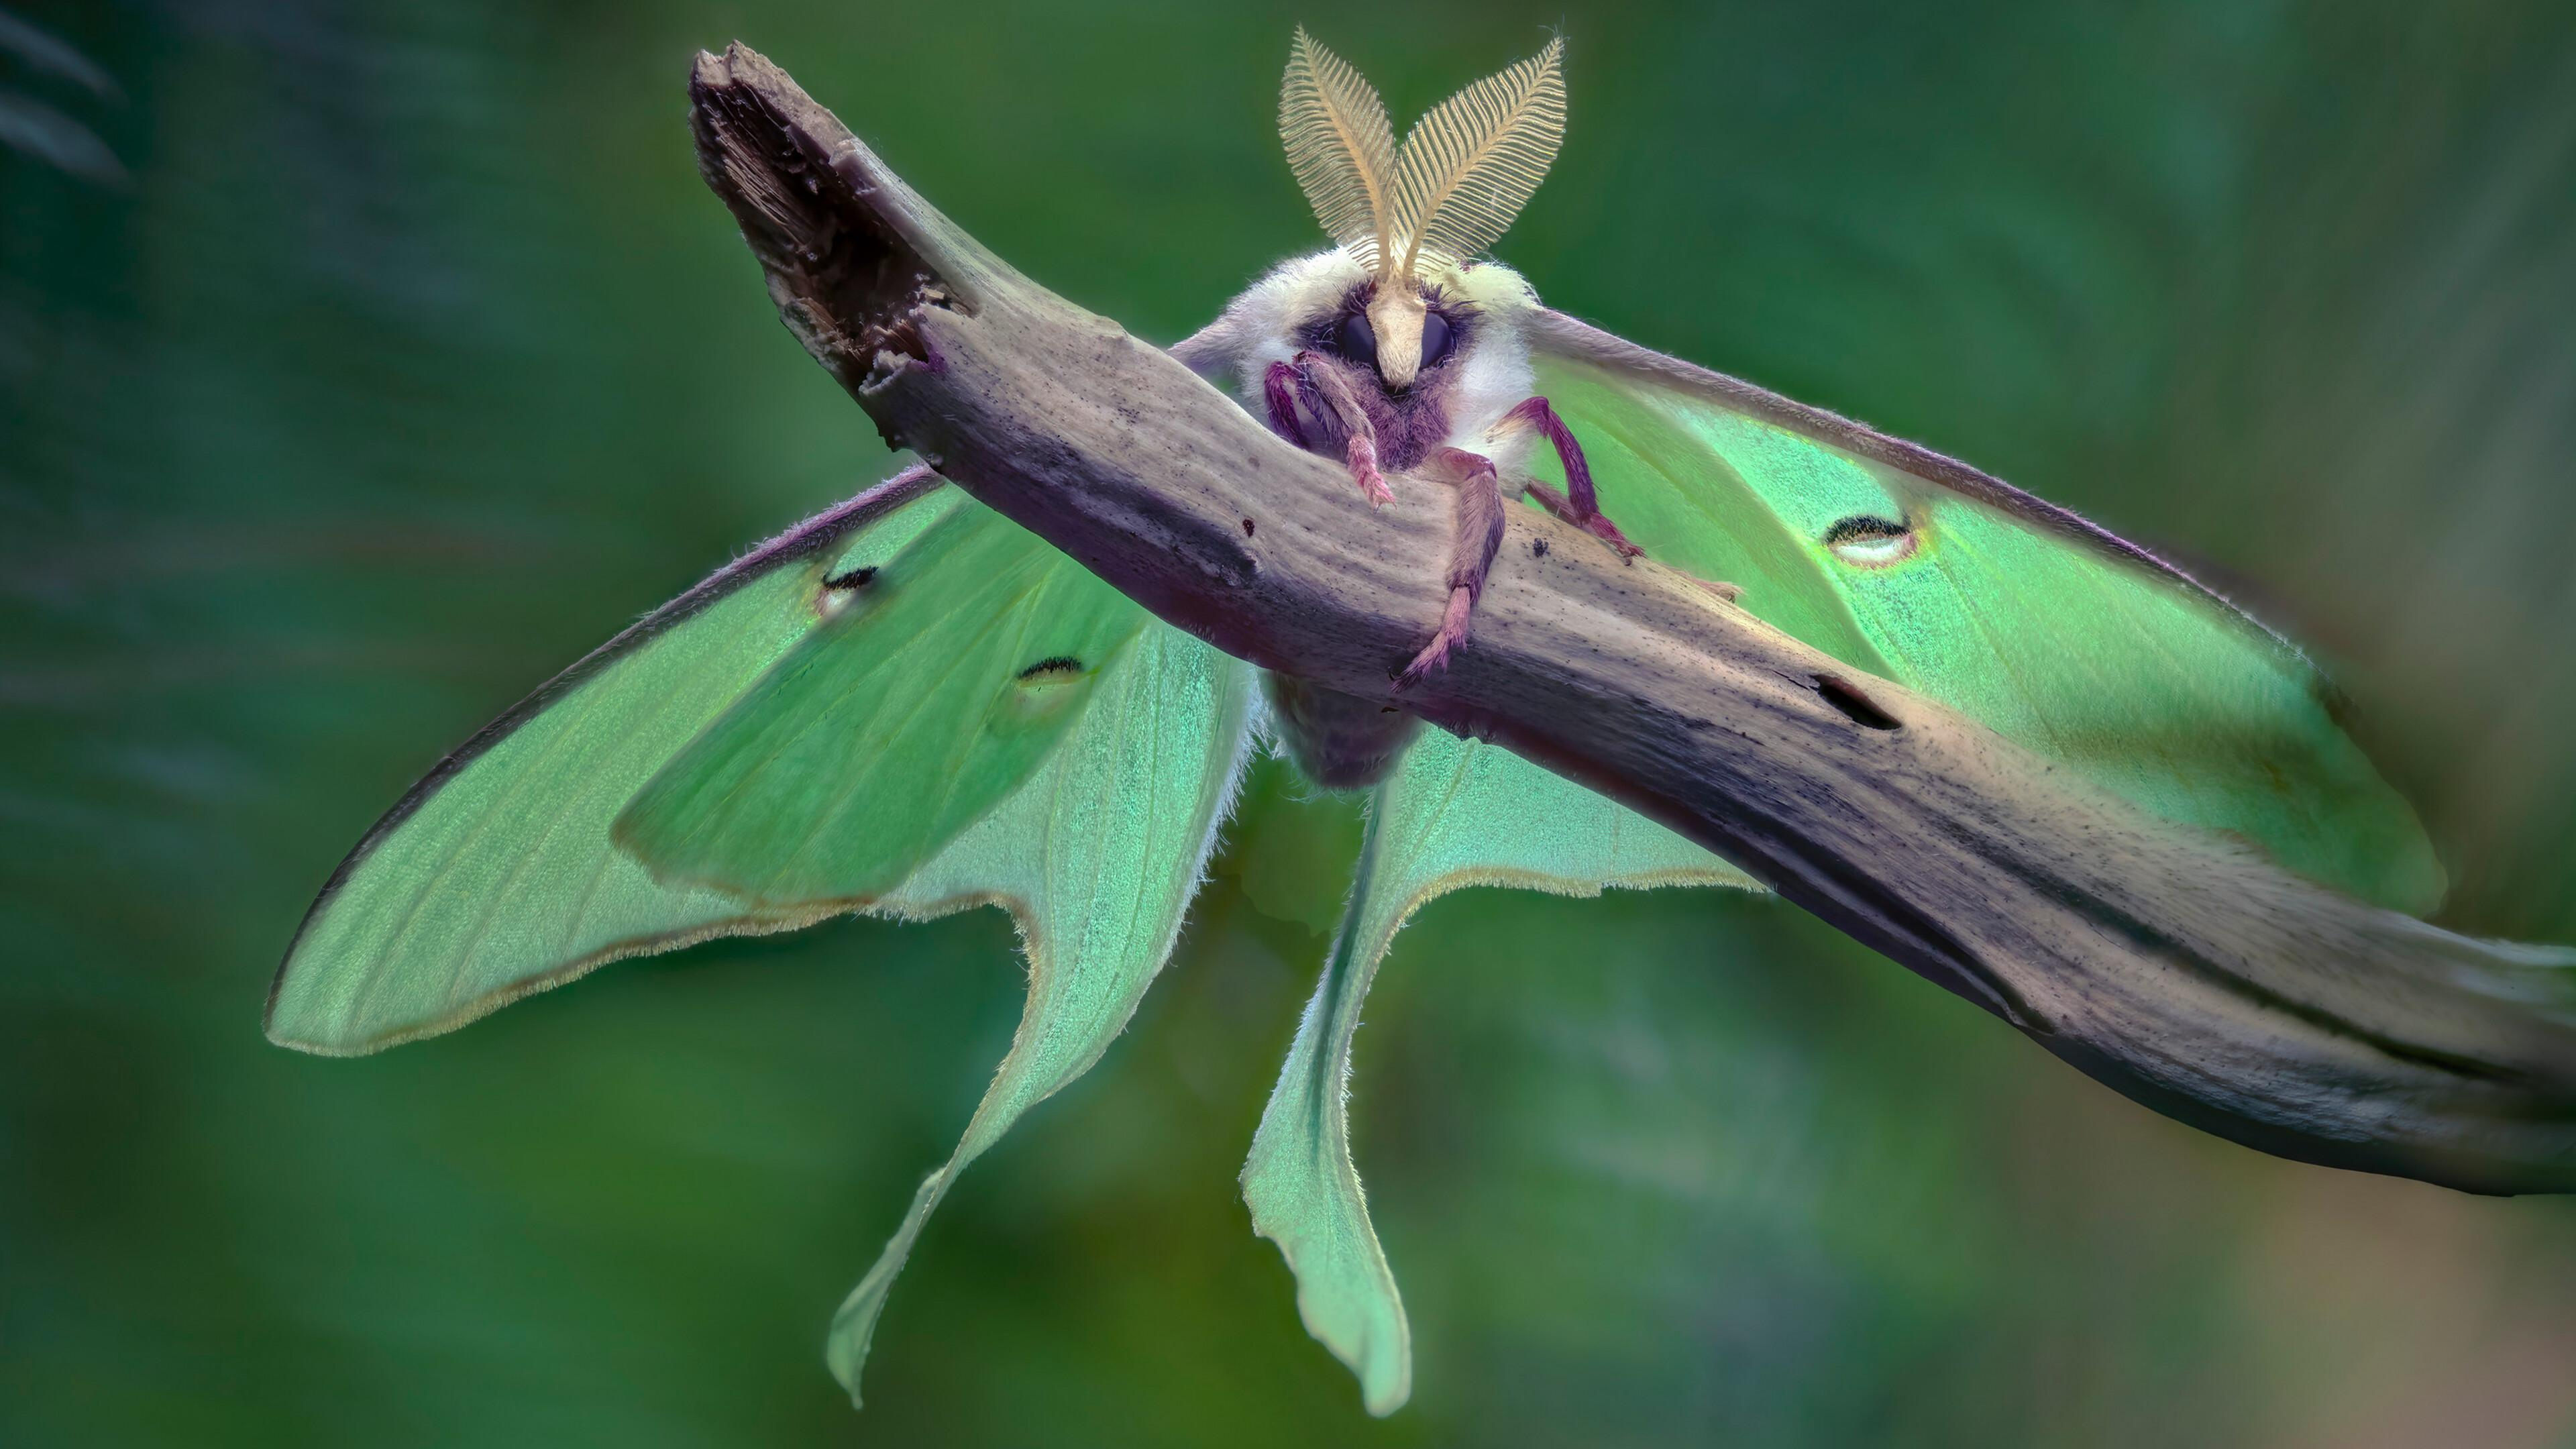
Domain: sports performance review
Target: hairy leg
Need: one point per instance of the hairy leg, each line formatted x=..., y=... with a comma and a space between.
x=1597, y=525
x=1328, y=398
x=1577, y=505
x=1361, y=458
x=1284, y=386
x=1555, y=503
x=1279, y=390
x=1478, y=535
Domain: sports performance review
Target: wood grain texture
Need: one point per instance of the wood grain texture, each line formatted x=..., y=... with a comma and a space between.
x=2182, y=969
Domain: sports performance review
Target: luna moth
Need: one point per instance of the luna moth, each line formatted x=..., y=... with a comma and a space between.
x=908, y=705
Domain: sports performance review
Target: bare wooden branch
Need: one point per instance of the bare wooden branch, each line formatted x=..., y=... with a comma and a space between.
x=2180, y=968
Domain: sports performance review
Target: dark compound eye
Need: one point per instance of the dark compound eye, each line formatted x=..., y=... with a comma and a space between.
x=1437, y=339
x=1356, y=340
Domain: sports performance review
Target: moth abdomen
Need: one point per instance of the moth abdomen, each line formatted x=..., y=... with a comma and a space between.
x=1340, y=741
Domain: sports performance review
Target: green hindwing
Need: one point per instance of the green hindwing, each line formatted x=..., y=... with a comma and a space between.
x=908, y=706
x=1455, y=813
x=1097, y=857
x=2047, y=630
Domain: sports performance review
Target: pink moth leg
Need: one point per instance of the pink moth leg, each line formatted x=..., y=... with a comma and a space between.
x=1577, y=505
x=1479, y=534
x=1285, y=385
x=1278, y=389
x=1329, y=399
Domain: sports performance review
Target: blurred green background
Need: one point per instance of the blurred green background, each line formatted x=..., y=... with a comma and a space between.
x=360, y=365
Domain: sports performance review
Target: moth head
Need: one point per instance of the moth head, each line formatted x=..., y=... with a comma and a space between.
x=1411, y=217
x=1395, y=318
x=1397, y=332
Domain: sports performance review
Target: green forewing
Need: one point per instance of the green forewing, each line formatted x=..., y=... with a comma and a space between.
x=497, y=876
x=1669, y=492
x=2137, y=679
x=927, y=696
x=1455, y=813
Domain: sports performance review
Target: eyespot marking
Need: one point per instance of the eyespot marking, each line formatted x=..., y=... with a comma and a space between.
x=840, y=589
x=1049, y=671
x=1868, y=542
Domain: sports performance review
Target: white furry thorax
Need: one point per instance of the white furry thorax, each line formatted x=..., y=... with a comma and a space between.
x=1493, y=372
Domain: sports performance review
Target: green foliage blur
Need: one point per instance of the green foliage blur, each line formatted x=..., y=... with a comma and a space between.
x=361, y=365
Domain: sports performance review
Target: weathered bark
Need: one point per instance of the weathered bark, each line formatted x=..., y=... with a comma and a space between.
x=2180, y=968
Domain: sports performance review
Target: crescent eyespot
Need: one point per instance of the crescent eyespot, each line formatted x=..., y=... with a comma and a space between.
x=1867, y=542
x=840, y=590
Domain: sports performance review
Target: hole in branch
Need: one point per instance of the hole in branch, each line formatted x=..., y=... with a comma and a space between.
x=1857, y=707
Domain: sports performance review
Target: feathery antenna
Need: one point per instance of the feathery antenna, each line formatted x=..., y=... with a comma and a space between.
x=1471, y=164
x=1341, y=148
x=1465, y=171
